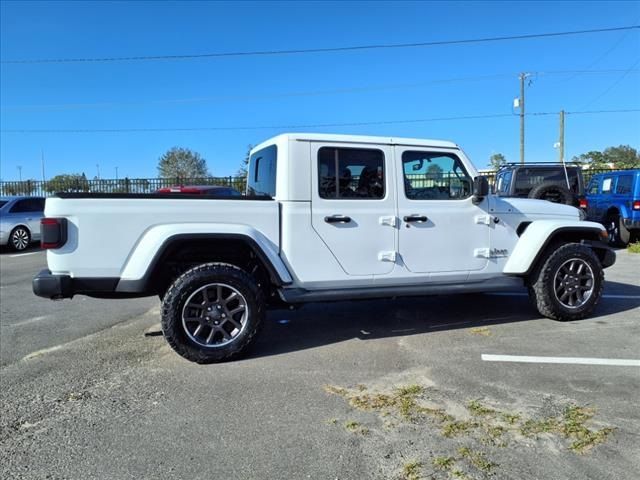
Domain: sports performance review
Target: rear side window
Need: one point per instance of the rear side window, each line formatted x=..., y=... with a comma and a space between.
x=434, y=176
x=28, y=205
x=593, y=187
x=623, y=186
x=606, y=185
x=527, y=178
x=350, y=173
x=262, y=177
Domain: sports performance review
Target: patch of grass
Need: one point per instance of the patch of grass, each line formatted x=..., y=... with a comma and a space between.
x=412, y=470
x=510, y=418
x=437, y=413
x=459, y=474
x=495, y=431
x=409, y=390
x=355, y=427
x=532, y=427
x=634, y=247
x=476, y=408
x=477, y=459
x=336, y=390
x=483, y=331
x=332, y=421
x=444, y=463
x=589, y=439
x=455, y=428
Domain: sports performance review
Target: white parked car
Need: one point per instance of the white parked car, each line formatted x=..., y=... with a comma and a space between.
x=325, y=218
x=20, y=221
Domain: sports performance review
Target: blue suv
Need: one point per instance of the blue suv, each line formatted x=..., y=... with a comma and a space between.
x=613, y=199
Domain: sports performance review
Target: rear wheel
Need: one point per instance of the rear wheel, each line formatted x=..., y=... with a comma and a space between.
x=569, y=283
x=619, y=236
x=20, y=238
x=212, y=312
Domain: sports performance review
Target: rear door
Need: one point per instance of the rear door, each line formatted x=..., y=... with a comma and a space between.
x=353, y=205
x=441, y=231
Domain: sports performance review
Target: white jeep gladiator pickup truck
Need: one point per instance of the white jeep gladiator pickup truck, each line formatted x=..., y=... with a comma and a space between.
x=324, y=218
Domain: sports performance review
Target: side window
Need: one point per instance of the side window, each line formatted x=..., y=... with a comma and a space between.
x=593, y=187
x=623, y=186
x=435, y=176
x=504, y=181
x=262, y=177
x=350, y=173
x=606, y=185
x=21, y=206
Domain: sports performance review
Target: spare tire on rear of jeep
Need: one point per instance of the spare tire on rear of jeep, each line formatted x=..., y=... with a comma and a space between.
x=554, y=192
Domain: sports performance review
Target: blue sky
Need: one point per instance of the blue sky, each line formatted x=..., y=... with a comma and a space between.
x=395, y=84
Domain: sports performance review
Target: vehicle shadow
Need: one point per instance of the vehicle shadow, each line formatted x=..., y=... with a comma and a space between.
x=316, y=325
x=5, y=250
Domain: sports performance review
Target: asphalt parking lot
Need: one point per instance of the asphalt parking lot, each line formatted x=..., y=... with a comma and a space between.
x=388, y=389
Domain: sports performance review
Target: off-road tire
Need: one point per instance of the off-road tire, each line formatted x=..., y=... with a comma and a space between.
x=19, y=239
x=190, y=281
x=541, y=282
x=551, y=190
x=619, y=235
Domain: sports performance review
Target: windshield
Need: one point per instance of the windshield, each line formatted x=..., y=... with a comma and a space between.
x=3, y=203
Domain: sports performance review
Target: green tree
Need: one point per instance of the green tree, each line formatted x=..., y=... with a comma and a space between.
x=242, y=172
x=182, y=163
x=622, y=156
x=67, y=182
x=497, y=160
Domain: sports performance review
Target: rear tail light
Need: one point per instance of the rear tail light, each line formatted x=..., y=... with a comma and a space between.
x=636, y=205
x=582, y=203
x=53, y=232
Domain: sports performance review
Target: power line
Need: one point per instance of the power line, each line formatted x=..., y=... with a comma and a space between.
x=319, y=50
x=337, y=91
x=316, y=125
x=614, y=84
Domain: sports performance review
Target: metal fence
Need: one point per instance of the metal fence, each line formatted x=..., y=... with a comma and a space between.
x=122, y=185
x=150, y=185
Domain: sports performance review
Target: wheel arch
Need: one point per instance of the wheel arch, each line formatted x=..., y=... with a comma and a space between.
x=233, y=248
x=541, y=235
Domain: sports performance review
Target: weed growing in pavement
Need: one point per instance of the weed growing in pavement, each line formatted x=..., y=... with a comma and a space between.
x=412, y=470
x=486, y=425
x=483, y=331
x=634, y=247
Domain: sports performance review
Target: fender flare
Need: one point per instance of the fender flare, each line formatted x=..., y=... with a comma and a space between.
x=137, y=274
x=537, y=237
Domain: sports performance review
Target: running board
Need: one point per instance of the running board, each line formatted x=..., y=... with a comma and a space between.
x=300, y=295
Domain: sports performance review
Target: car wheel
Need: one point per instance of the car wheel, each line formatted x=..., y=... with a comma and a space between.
x=20, y=238
x=569, y=283
x=212, y=312
x=619, y=236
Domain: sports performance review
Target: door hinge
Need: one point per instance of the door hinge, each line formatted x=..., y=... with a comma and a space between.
x=387, y=256
x=484, y=219
x=392, y=221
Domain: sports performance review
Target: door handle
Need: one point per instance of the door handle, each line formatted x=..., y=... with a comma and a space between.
x=415, y=218
x=337, y=219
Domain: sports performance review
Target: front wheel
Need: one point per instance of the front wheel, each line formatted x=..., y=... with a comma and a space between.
x=212, y=312
x=619, y=236
x=569, y=283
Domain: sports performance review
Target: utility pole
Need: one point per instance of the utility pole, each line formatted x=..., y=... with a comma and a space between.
x=42, y=164
x=116, y=173
x=20, y=172
x=561, y=139
x=523, y=77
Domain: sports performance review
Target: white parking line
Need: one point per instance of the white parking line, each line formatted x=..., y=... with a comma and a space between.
x=522, y=294
x=619, y=362
x=23, y=254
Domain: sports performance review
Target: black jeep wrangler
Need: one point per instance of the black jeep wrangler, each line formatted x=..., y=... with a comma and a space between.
x=547, y=181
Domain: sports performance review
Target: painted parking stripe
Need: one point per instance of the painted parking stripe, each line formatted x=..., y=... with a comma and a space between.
x=523, y=294
x=23, y=254
x=618, y=362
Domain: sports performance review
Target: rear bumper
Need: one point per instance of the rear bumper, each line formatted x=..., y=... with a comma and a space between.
x=50, y=286
x=55, y=287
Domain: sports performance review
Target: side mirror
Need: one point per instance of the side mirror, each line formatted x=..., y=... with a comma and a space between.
x=480, y=188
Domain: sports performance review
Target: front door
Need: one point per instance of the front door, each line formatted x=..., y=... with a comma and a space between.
x=442, y=232
x=353, y=206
